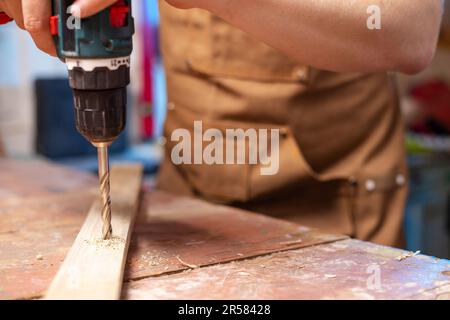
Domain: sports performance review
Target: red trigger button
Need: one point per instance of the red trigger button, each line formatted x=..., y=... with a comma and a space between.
x=118, y=14
x=4, y=18
x=54, y=25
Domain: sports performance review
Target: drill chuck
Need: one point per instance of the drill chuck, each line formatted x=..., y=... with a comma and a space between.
x=100, y=116
x=100, y=97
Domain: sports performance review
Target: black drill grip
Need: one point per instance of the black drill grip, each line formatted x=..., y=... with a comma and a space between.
x=100, y=115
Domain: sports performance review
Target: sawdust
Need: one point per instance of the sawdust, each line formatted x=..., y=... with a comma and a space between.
x=112, y=243
x=151, y=260
x=39, y=257
x=407, y=255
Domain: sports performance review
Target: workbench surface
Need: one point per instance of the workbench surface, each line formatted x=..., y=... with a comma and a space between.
x=188, y=249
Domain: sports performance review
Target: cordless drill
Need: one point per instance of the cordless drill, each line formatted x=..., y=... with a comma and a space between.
x=97, y=53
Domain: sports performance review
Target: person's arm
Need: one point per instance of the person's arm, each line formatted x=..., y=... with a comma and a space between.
x=326, y=34
x=333, y=34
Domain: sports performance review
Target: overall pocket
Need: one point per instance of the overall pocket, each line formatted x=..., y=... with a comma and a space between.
x=232, y=53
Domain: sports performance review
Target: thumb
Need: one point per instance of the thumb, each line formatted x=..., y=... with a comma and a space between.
x=87, y=8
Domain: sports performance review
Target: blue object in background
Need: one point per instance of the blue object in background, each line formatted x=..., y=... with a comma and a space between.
x=57, y=136
x=427, y=215
x=151, y=12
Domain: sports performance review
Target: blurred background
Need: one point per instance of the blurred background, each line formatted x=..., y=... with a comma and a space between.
x=36, y=113
x=36, y=120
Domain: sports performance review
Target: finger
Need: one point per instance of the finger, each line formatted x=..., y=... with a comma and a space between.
x=4, y=8
x=87, y=8
x=36, y=20
x=15, y=9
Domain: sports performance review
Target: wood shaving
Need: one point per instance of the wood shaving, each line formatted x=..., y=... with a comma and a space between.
x=330, y=276
x=193, y=243
x=407, y=255
x=192, y=266
x=292, y=242
x=39, y=257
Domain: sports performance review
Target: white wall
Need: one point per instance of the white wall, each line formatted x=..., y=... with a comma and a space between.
x=20, y=64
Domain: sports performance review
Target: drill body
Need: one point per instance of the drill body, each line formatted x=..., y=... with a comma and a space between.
x=97, y=52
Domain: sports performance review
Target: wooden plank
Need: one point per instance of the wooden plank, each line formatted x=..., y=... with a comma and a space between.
x=93, y=268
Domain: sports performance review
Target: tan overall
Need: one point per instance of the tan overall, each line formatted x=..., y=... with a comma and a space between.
x=342, y=157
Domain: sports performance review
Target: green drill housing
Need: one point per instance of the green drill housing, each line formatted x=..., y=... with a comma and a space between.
x=93, y=37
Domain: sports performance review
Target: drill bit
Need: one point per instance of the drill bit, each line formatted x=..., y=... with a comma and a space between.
x=103, y=174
